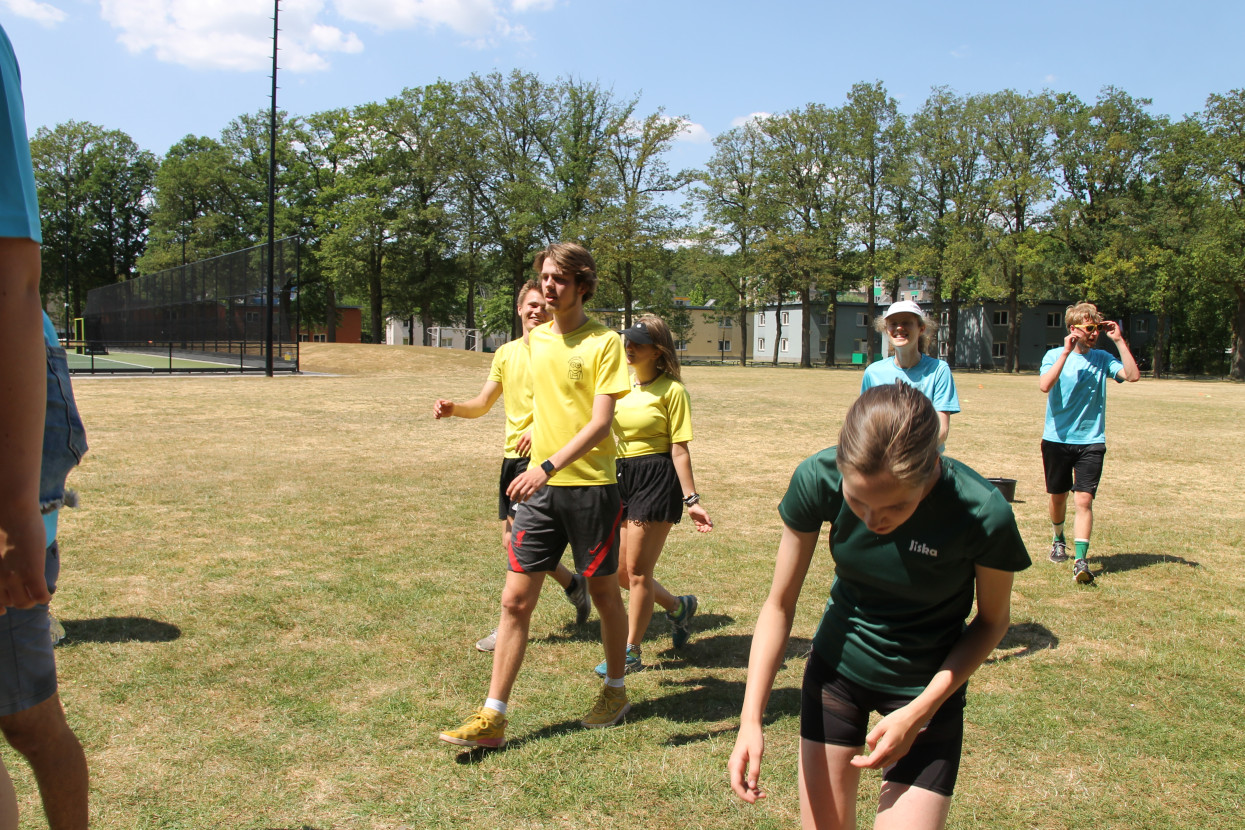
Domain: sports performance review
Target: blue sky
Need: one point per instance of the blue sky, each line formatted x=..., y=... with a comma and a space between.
x=162, y=69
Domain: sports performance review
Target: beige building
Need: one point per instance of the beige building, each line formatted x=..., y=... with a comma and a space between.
x=701, y=333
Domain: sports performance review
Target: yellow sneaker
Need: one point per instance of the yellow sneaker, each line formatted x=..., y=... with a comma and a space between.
x=485, y=727
x=609, y=709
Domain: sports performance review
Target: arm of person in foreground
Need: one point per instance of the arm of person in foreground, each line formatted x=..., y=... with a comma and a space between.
x=944, y=426
x=682, y=458
x=891, y=739
x=769, y=645
x=591, y=434
x=474, y=408
x=1130, y=371
x=23, y=388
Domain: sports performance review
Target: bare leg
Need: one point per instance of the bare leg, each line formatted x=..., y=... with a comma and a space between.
x=562, y=575
x=1083, y=523
x=904, y=807
x=1058, y=508
x=607, y=599
x=828, y=785
x=640, y=547
x=42, y=735
x=8, y=800
x=518, y=601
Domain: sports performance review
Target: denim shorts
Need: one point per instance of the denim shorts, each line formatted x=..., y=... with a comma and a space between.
x=27, y=668
x=64, y=439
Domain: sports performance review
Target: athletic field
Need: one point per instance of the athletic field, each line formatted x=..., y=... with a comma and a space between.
x=272, y=589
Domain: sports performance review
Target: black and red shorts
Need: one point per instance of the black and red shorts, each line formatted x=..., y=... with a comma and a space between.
x=585, y=517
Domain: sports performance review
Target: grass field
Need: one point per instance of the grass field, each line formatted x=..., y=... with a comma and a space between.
x=272, y=589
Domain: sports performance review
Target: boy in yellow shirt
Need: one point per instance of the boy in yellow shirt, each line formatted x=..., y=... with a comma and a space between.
x=568, y=494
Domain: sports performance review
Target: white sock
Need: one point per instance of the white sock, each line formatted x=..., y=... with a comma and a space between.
x=615, y=682
x=496, y=705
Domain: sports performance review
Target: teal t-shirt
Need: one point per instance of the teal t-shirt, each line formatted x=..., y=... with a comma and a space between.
x=1076, y=406
x=931, y=375
x=899, y=602
x=19, y=199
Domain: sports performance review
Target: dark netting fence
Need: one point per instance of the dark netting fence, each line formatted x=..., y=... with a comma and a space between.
x=210, y=312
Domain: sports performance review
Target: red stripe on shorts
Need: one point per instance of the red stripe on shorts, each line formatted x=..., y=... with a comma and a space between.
x=514, y=560
x=602, y=550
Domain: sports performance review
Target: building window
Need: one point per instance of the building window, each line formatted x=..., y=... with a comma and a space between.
x=1054, y=320
x=447, y=343
x=822, y=345
x=724, y=345
x=760, y=319
x=782, y=345
x=942, y=349
x=252, y=316
x=609, y=322
x=760, y=344
x=862, y=319
x=998, y=350
x=680, y=345
x=944, y=319
x=862, y=347
x=824, y=318
x=1000, y=318
x=727, y=322
x=320, y=338
x=1141, y=326
x=786, y=318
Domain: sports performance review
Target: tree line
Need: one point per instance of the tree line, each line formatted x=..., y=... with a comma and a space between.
x=428, y=206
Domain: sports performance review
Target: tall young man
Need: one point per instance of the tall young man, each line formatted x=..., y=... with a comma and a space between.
x=569, y=492
x=510, y=375
x=1074, y=440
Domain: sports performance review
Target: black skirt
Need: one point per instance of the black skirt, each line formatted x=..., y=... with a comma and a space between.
x=650, y=489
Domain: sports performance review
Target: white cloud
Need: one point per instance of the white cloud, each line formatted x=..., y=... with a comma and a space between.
x=1050, y=79
x=44, y=14
x=227, y=34
x=962, y=52
x=532, y=5
x=695, y=133
x=481, y=22
x=755, y=116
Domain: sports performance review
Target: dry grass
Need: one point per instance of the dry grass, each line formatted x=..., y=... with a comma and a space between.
x=273, y=585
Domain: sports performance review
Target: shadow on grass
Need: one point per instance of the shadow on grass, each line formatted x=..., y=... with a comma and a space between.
x=120, y=630
x=1121, y=562
x=590, y=632
x=477, y=754
x=1026, y=639
x=718, y=651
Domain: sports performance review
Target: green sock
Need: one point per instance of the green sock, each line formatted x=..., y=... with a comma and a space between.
x=1082, y=548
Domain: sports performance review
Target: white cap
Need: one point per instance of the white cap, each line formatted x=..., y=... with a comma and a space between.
x=904, y=306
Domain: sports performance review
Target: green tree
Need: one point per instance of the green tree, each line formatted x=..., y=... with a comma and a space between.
x=1224, y=252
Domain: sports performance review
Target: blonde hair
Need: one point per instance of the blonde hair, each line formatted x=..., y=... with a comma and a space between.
x=572, y=260
x=528, y=287
x=929, y=331
x=1080, y=314
x=892, y=429
x=667, y=358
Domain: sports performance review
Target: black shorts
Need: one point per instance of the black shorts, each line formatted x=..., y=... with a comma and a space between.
x=1062, y=461
x=511, y=468
x=584, y=517
x=650, y=490
x=835, y=710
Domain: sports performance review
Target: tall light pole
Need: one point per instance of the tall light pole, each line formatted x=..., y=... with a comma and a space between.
x=272, y=194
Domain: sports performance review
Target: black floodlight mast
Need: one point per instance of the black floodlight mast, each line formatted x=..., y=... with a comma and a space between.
x=272, y=193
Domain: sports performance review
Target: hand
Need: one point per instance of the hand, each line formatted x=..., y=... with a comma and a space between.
x=526, y=483
x=1113, y=330
x=744, y=768
x=22, y=551
x=442, y=409
x=1069, y=343
x=524, y=447
x=700, y=518
x=891, y=739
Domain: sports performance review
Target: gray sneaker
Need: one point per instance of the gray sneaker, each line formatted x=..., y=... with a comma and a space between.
x=1081, y=572
x=577, y=595
x=55, y=629
x=488, y=643
x=681, y=626
x=1058, y=551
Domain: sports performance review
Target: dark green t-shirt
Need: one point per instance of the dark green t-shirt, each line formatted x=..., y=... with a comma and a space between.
x=898, y=602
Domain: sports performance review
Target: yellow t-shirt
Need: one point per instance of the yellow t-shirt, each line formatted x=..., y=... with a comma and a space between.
x=650, y=418
x=512, y=365
x=568, y=372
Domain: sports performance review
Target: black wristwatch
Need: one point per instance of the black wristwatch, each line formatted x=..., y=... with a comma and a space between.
x=547, y=466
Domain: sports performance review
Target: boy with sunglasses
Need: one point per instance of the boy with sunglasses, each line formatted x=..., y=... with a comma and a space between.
x=1074, y=440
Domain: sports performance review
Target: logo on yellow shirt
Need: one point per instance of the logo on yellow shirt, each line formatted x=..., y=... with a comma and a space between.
x=576, y=368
